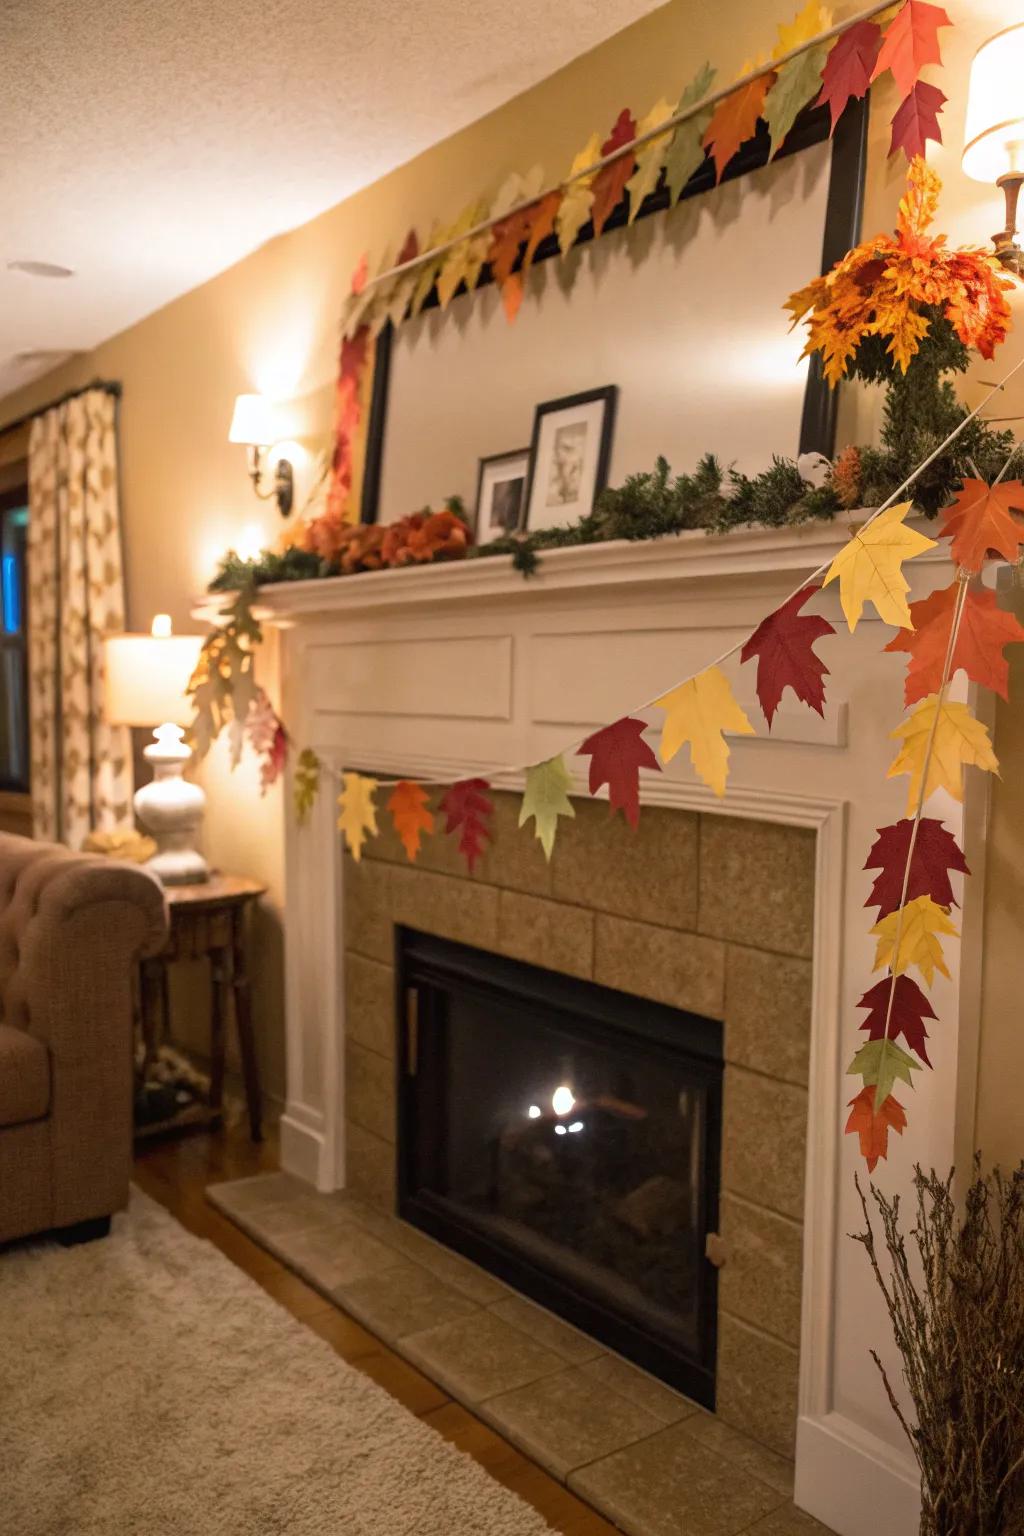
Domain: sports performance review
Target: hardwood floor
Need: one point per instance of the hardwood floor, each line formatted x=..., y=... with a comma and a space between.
x=176, y=1172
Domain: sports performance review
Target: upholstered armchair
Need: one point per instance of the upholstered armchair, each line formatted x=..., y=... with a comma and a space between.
x=72, y=929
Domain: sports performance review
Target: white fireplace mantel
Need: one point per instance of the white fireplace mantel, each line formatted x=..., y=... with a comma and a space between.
x=450, y=669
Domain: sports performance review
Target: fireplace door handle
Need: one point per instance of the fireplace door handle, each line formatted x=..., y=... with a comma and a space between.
x=716, y=1249
x=412, y=1031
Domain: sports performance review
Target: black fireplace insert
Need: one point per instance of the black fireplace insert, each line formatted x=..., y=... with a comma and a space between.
x=567, y=1137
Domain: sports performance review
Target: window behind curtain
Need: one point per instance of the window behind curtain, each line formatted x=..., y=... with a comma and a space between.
x=14, y=740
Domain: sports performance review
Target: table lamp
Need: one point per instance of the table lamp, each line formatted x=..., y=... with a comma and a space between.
x=994, y=131
x=145, y=686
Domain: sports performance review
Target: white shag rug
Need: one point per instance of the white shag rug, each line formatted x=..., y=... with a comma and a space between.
x=149, y=1388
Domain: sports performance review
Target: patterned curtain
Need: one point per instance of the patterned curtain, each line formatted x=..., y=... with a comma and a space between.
x=81, y=766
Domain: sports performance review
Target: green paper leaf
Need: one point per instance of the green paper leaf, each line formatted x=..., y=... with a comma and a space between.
x=880, y=1063
x=686, y=151
x=306, y=783
x=797, y=83
x=545, y=799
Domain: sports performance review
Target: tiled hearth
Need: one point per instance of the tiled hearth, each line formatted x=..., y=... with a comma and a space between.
x=704, y=912
x=648, y=1459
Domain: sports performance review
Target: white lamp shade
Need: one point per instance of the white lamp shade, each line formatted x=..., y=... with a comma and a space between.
x=994, y=131
x=147, y=677
x=251, y=422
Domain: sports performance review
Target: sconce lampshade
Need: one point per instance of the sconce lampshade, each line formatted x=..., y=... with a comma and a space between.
x=994, y=131
x=252, y=422
x=147, y=676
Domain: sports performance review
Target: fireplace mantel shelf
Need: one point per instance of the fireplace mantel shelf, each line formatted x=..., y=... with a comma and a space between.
x=744, y=554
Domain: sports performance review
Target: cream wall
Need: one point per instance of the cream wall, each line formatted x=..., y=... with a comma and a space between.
x=270, y=324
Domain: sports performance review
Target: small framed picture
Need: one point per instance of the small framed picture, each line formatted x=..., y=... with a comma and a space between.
x=499, y=494
x=569, y=454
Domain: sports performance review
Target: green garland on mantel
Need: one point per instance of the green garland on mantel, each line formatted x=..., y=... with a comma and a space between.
x=921, y=410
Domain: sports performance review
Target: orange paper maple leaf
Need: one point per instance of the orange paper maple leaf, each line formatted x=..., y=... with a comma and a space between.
x=408, y=806
x=981, y=518
x=911, y=41
x=735, y=119
x=985, y=630
x=610, y=181
x=873, y=1129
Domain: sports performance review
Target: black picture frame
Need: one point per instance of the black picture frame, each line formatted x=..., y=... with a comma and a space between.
x=499, y=458
x=608, y=395
x=843, y=217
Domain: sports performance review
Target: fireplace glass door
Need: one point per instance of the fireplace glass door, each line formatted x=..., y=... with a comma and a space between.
x=567, y=1137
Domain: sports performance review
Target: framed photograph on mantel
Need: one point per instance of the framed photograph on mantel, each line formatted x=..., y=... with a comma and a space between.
x=569, y=454
x=499, y=494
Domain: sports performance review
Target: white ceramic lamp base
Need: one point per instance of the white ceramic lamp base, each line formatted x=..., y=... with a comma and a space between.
x=171, y=809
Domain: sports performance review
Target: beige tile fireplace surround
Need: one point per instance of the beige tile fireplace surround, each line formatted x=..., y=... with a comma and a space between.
x=748, y=910
x=702, y=912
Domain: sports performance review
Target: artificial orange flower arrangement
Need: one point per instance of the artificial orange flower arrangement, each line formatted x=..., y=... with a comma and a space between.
x=895, y=288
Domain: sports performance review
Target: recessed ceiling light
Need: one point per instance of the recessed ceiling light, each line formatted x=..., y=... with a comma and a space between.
x=40, y=268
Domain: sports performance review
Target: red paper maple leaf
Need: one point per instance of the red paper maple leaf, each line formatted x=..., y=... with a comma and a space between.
x=610, y=183
x=274, y=759
x=981, y=518
x=468, y=811
x=735, y=121
x=917, y=120
x=985, y=630
x=911, y=41
x=873, y=1129
x=617, y=754
x=784, y=646
x=910, y=1008
x=847, y=71
x=935, y=854
x=410, y=249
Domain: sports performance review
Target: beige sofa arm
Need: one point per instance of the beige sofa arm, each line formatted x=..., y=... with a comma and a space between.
x=72, y=927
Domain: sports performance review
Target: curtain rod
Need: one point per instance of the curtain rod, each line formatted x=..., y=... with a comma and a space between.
x=108, y=386
x=679, y=116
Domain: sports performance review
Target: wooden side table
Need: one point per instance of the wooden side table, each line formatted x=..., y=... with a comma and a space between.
x=208, y=922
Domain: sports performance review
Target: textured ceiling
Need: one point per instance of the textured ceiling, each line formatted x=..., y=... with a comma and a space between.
x=149, y=145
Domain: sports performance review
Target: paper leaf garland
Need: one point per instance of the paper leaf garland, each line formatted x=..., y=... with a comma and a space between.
x=881, y=1063
x=935, y=854
x=649, y=157
x=306, y=783
x=958, y=739
x=873, y=1126
x=545, y=799
x=799, y=81
x=735, y=119
x=917, y=120
x=464, y=263
x=407, y=804
x=616, y=756
x=577, y=196
x=468, y=811
x=610, y=182
x=846, y=75
x=357, y=813
x=911, y=936
x=686, y=153
x=698, y=713
x=784, y=646
x=870, y=568
x=911, y=41
x=984, y=632
x=981, y=519
x=542, y=223
x=910, y=1008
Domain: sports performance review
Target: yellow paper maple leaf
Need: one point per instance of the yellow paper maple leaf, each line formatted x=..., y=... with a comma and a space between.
x=698, y=712
x=578, y=197
x=806, y=24
x=869, y=568
x=936, y=761
x=649, y=157
x=463, y=264
x=909, y=936
x=357, y=814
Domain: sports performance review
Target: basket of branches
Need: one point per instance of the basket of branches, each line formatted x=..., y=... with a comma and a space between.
x=954, y=1288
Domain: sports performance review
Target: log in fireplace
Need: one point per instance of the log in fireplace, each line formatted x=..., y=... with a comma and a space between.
x=567, y=1137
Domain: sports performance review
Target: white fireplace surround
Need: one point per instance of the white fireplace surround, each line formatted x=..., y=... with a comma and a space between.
x=451, y=670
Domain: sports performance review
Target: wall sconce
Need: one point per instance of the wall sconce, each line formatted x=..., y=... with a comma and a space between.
x=994, y=131
x=251, y=425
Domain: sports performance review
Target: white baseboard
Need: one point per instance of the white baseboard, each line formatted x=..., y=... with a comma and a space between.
x=854, y=1482
x=304, y=1153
